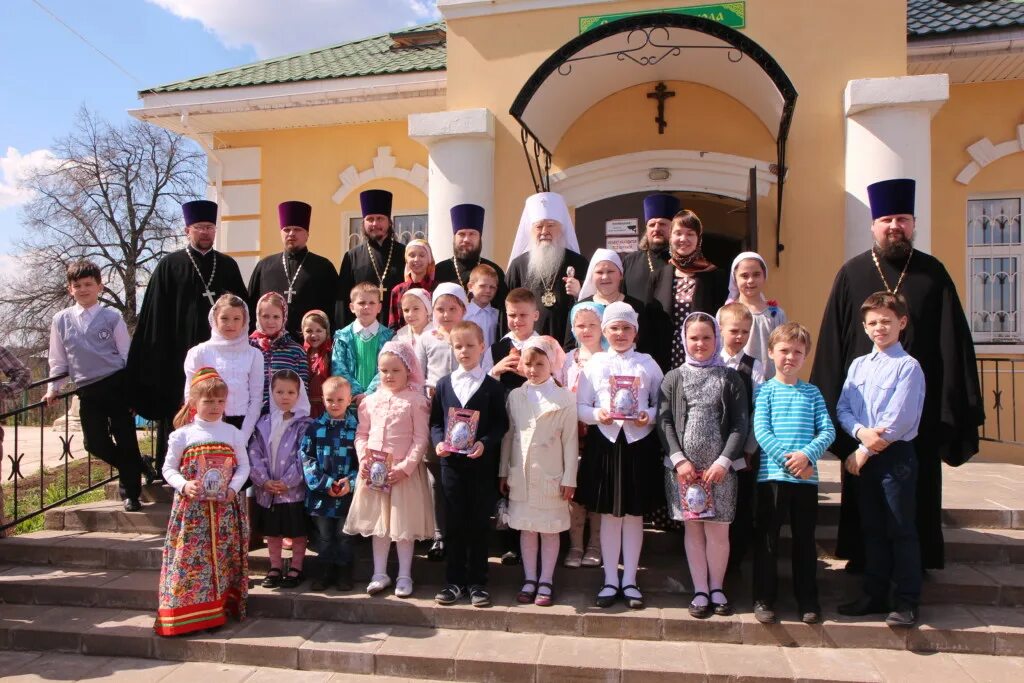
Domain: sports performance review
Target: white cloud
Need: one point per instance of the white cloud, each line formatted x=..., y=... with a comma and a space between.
x=274, y=28
x=15, y=167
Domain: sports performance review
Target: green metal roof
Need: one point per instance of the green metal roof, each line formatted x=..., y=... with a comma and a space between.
x=374, y=56
x=929, y=18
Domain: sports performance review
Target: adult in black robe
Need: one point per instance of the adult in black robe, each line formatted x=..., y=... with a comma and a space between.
x=938, y=336
x=174, y=318
x=467, y=226
x=306, y=280
x=553, y=318
x=638, y=266
x=380, y=259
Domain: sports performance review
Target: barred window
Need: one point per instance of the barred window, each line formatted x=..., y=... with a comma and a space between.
x=407, y=227
x=995, y=254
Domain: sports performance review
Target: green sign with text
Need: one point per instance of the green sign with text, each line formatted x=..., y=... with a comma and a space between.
x=732, y=14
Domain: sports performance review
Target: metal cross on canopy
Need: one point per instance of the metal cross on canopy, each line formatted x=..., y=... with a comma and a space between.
x=661, y=93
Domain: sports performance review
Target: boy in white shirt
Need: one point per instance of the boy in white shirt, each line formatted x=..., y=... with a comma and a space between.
x=483, y=285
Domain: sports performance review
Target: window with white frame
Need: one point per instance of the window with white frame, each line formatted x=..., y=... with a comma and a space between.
x=407, y=227
x=995, y=259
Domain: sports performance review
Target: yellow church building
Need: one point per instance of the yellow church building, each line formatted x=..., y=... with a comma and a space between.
x=767, y=117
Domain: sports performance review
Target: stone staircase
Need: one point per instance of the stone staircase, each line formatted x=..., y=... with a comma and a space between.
x=87, y=585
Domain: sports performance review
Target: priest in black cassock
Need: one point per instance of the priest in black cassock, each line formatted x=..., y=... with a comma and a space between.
x=306, y=280
x=174, y=318
x=468, y=226
x=546, y=260
x=380, y=259
x=637, y=266
x=938, y=336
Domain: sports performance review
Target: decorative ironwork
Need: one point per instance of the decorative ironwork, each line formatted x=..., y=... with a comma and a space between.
x=994, y=374
x=15, y=467
x=65, y=444
x=645, y=38
x=539, y=163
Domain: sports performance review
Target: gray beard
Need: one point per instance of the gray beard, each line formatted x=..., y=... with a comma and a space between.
x=543, y=265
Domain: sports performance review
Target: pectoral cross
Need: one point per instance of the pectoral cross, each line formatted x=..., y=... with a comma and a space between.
x=661, y=93
x=383, y=291
x=209, y=295
x=289, y=292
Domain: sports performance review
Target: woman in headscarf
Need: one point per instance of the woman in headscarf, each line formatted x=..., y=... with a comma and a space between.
x=602, y=285
x=419, y=273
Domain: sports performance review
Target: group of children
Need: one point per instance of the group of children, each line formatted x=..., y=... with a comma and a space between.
x=330, y=438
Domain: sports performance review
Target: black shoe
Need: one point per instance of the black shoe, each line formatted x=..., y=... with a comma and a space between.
x=862, y=607
x=449, y=595
x=811, y=616
x=902, y=617
x=700, y=611
x=510, y=558
x=722, y=609
x=325, y=580
x=132, y=505
x=633, y=601
x=605, y=601
x=343, y=582
x=148, y=472
x=293, y=578
x=479, y=597
x=436, y=552
x=272, y=579
x=764, y=613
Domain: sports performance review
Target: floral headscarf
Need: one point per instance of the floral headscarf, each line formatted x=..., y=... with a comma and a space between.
x=407, y=355
x=264, y=340
x=429, y=275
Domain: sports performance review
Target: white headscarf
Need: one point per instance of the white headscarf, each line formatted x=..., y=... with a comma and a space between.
x=620, y=311
x=588, y=288
x=734, y=289
x=539, y=207
x=421, y=294
x=450, y=289
x=217, y=339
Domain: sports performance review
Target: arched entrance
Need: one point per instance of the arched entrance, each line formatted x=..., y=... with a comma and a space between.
x=651, y=49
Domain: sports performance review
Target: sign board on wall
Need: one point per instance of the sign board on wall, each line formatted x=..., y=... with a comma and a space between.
x=731, y=14
x=623, y=244
x=621, y=234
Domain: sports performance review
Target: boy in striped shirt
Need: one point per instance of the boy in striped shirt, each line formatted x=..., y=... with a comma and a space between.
x=793, y=428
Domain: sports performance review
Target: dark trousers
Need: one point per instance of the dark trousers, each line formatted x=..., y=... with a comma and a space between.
x=164, y=427
x=332, y=545
x=108, y=430
x=742, y=528
x=887, y=498
x=777, y=502
x=469, y=496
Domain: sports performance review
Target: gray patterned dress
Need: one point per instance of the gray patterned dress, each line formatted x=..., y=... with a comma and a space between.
x=703, y=413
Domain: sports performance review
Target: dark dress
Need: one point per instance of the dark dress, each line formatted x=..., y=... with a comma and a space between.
x=315, y=286
x=445, y=271
x=939, y=337
x=668, y=302
x=356, y=267
x=552, y=318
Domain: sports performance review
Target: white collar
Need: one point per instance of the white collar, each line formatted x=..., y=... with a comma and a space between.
x=82, y=310
x=544, y=389
x=484, y=309
x=372, y=328
x=515, y=340
x=476, y=373
x=724, y=355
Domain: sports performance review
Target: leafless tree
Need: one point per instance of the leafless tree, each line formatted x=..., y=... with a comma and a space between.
x=112, y=195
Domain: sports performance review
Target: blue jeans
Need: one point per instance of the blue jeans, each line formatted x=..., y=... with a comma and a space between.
x=333, y=546
x=888, y=503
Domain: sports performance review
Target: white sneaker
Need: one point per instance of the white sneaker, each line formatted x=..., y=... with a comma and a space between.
x=403, y=587
x=378, y=582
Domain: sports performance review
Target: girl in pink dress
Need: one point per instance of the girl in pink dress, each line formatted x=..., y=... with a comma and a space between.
x=394, y=424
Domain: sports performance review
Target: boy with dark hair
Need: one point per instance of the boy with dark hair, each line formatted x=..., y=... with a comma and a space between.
x=880, y=407
x=89, y=342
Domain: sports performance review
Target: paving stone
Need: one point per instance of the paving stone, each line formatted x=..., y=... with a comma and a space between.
x=745, y=662
x=134, y=590
x=497, y=657
x=46, y=585
x=862, y=632
x=57, y=667
x=558, y=619
x=565, y=659
x=268, y=675
x=132, y=670
x=202, y=646
x=991, y=669
x=784, y=633
x=127, y=633
x=342, y=647
x=950, y=629
x=1011, y=580
x=266, y=602
x=15, y=616
x=1006, y=625
x=917, y=667
x=463, y=615
x=269, y=642
x=190, y=672
x=11, y=662
x=659, y=662
x=419, y=652
x=57, y=628
x=392, y=610
x=677, y=624
x=814, y=664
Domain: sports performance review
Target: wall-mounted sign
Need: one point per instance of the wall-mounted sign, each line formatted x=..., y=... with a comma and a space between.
x=622, y=244
x=621, y=227
x=731, y=14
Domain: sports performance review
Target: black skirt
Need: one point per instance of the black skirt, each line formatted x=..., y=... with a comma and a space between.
x=620, y=478
x=283, y=519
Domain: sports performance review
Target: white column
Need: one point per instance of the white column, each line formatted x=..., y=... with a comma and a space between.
x=888, y=135
x=461, y=170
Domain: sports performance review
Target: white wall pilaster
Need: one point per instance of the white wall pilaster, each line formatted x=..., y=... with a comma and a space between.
x=461, y=170
x=888, y=135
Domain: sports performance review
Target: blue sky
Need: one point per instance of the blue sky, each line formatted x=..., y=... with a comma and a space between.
x=47, y=73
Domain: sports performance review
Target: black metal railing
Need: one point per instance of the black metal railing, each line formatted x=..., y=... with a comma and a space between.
x=30, y=491
x=999, y=378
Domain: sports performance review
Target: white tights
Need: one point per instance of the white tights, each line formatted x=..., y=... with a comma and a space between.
x=528, y=543
x=707, y=553
x=381, y=549
x=625, y=534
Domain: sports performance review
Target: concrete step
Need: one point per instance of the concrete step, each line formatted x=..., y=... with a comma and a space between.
x=963, y=627
x=109, y=515
x=29, y=665
x=151, y=493
x=468, y=655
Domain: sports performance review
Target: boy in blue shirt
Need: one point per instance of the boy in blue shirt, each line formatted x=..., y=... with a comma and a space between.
x=90, y=343
x=880, y=407
x=330, y=466
x=793, y=428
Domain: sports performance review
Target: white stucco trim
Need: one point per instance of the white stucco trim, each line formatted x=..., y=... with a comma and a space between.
x=384, y=165
x=460, y=9
x=712, y=172
x=984, y=152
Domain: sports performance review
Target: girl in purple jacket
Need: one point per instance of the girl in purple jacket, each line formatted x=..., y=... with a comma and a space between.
x=276, y=473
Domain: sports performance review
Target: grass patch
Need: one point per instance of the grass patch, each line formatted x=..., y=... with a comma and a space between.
x=55, y=488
